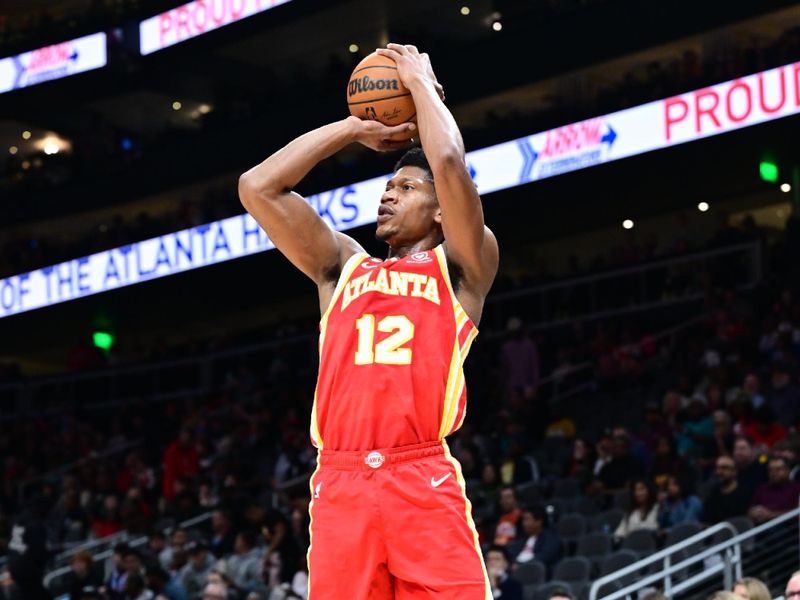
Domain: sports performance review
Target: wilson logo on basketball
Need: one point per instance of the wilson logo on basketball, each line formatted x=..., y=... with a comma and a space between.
x=365, y=84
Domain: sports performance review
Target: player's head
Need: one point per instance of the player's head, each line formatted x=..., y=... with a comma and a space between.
x=409, y=209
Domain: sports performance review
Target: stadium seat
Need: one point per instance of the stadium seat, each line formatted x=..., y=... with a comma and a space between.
x=587, y=506
x=571, y=528
x=568, y=488
x=680, y=532
x=641, y=541
x=529, y=493
x=594, y=546
x=608, y=520
x=741, y=524
x=574, y=569
x=543, y=591
x=619, y=560
x=530, y=573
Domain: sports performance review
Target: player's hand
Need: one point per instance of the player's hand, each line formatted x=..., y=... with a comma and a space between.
x=380, y=137
x=412, y=66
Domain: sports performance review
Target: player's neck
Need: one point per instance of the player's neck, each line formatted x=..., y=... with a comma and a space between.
x=400, y=250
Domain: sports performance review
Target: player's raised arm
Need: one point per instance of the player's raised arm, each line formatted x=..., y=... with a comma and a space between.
x=469, y=243
x=291, y=223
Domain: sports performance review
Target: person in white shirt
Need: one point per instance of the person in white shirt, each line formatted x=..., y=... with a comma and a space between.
x=643, y=511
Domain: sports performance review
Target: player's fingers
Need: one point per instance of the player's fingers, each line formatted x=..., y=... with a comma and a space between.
x=399, y=48
x=412, y=49
x=389, y=53
x=403, y=128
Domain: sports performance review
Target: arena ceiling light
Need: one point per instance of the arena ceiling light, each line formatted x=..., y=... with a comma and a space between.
x=627, y=224
x=703, y=207
x=786, y=188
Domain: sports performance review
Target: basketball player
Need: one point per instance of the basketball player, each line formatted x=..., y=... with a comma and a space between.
x=389, y=515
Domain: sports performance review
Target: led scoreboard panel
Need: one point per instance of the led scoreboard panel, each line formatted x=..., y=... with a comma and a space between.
x=53, y=62
x=196, y=18
x=664, y=123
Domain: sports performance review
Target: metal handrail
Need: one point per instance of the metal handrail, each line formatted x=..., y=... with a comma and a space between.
x=111, y=540
x=730, y=566
x=614, y=273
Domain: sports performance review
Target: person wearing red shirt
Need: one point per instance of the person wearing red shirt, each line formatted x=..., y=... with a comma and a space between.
x=181, y=459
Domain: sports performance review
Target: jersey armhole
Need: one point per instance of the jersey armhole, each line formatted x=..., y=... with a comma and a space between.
x=347, y=270
x=459, y=310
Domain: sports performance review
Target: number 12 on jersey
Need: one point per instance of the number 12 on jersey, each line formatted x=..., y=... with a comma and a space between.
x=388, y=351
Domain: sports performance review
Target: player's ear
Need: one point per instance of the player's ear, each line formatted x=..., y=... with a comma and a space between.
x=437, y=215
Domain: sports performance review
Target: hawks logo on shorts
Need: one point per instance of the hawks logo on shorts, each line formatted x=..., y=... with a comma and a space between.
x=392, y=347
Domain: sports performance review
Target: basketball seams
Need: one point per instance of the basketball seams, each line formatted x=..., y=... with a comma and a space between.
x=379, y=99
x=373, y=67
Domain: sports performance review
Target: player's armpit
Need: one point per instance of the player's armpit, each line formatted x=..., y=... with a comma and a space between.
x=297, y=230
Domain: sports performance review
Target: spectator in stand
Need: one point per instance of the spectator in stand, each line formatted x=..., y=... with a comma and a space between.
x=503, y=584
x=783, y=396
x=510, y=517
x=696, y=430
x=643, y=511
x=721, y=443
x=520, y=361
x=727, y=498
x=181, y=459
x=621, y=469
x=603, y=453
x=666, y=462
x=83, y=574
x=541, y=542
x=486, y=497
x=222, y=534
x=560, y=593
x=215, y=591
x=178, y=541
x=654, y=428
x=282, y=557
x=792, y=591
x=135, y=588
x=243, y=565
x=679, y=504
x=106, y=519
x=582, y=462
x=119, y=574
x=751, y=471
x=778, y=495
x=194, y=574
x=788, y=449
x=751, y=588
x=163, y=585
x=765, y=430
x=156, y=544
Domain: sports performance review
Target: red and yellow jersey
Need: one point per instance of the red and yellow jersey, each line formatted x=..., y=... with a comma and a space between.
x=392, y=346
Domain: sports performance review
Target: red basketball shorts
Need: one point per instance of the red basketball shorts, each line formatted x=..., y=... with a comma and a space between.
x=393, y=524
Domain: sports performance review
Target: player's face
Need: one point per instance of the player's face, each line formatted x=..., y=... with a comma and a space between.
x=409, y=209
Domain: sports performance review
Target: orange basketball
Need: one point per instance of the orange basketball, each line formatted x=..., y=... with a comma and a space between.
x=375, y=92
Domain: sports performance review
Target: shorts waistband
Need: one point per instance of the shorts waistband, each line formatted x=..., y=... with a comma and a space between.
x=375, y=459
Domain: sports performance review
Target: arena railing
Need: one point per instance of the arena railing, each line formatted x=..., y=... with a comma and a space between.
x=646, y=286
x=103, y=548
x=711, y=560
x=67, y=467
x=603, y=295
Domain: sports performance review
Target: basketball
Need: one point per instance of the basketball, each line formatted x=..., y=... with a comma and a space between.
x=375, y=92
